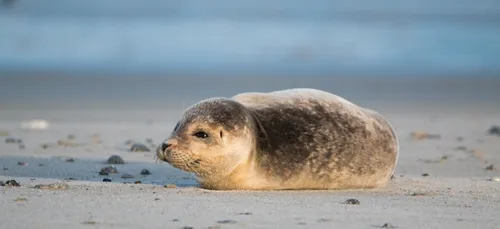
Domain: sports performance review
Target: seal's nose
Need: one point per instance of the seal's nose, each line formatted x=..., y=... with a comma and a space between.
x=164, y=146
x=167, y=144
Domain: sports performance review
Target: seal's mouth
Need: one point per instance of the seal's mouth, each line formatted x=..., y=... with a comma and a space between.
x=161, y=154
x=183, y=163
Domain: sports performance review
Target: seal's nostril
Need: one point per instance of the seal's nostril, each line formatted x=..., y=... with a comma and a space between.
x=164, y=146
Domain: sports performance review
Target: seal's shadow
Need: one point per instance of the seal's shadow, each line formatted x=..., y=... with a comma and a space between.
x=88, y=170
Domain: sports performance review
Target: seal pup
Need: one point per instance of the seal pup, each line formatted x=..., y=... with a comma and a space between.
x=290, y=139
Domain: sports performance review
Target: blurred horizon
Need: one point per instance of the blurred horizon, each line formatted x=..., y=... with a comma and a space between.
x=325, y=38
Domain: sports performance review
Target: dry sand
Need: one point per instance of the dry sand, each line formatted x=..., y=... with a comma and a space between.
x=459, y=192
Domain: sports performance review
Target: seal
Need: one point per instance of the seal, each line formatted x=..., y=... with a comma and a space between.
x=283, y=140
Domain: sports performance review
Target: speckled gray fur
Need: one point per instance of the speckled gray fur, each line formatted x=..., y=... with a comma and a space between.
x=309, y=134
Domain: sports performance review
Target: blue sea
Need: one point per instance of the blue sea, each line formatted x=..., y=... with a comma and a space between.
x=320, y=37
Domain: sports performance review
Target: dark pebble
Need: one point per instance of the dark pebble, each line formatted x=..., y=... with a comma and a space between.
x=70, y=160
x=22, y=146
x=494, y=130
x=352, y=201
x=138, y=147
x=245, y=213
x=226, y=221
x=13, y=140
x=425, y=175
x=71, y=137
x=101, y=173
x=490, y=167
x=388, y=225
x=175, y=220
x=149, y=140
x=22, y=163
x=137, y=182
x=12, y=183
x=5, y=169
x=187, y=227
x=109, y=169
x=145, y=172
x=115, y=159
x=106, y=180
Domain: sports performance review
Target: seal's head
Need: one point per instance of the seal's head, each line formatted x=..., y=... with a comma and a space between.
x=212, y=139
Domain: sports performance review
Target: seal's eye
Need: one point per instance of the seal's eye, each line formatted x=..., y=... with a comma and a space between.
x=201, y=134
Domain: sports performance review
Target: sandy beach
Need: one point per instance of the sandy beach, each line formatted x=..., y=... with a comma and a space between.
x=448, y=174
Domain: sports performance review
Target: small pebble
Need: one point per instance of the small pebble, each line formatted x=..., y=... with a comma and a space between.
x=115, y=159
x=127, y=176
x=186, y=227
x=109, y=169
x=497, y=179
x=106, y=180
x=70, y=160
x=170, y=186
x=137, y=147
x=13, y=140
x=226, y=221
x=71, y=137
x=424, y=135
x=5, y=169
x=71, y=178
x=425, y=175
x=137, y=182
x=101, y=173
x=145, y=172
x=45, y=146
x=22, y=146
x=459, y=139
x=22, y=163
x=149, y=140
x=245, y=213
x=352, y=201
x=388, y=225
x=19, y=199
x=418, y=194
x=11, y=183
x=55, y=186
x=129, y=142
x=490, y=167
x=494, y=130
